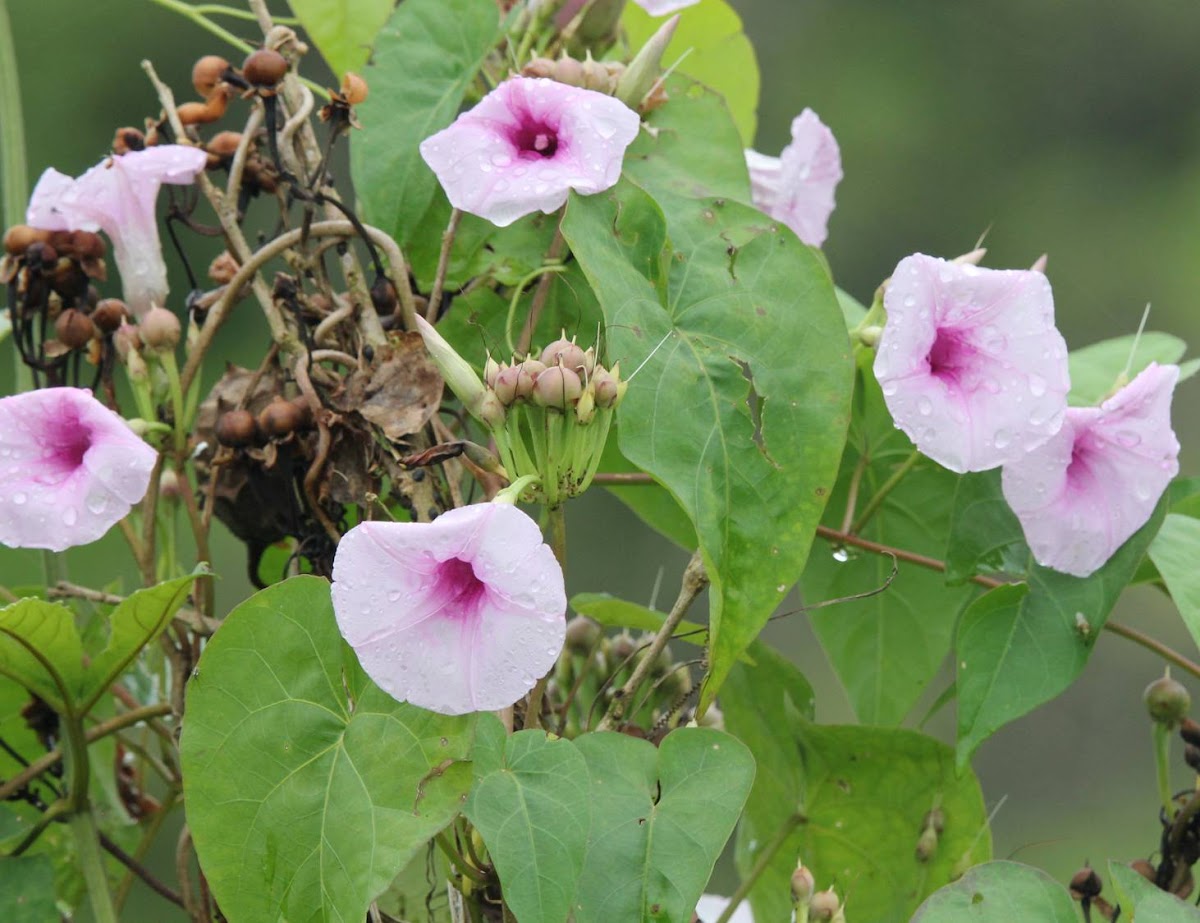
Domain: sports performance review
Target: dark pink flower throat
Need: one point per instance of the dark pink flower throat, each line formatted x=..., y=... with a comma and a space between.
x=536, y=139
x=63, y=447
x=459, y=588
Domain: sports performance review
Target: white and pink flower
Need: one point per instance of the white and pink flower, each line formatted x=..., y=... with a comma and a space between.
x=971, y=365
x=458, y=615
x=70, y=469
x=117, y=196
x=527, y=144
x=798, y=186
x=1081, y=495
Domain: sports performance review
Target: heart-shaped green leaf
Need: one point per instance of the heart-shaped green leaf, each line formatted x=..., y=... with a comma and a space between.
x=1000, y=892
x=307, y=787
x=660, y=818
x=343, y=30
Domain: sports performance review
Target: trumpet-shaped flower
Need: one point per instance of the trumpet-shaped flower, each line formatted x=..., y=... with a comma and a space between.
x=797, y=187
x=70, y=469
x=972, y=367
x=1095, y=483
x=711, y=906
x=117, y=196
x=663, y=7
x=527, y=144
x=458, y=615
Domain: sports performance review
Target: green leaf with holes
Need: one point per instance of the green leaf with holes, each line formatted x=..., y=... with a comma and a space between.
x=660, y=817
x=425, y=59
x=343, y=30
x=1000, y=892
x=330, y=784
x=742, y=398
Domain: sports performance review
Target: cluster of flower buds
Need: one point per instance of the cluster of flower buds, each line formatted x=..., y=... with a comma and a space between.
x=595, y=665
x=601, y=76
x=550, y=416
x=811, y=905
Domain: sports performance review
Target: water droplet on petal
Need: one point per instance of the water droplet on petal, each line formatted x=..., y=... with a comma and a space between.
x=70, y=516
x=19, y=498
x=1037, y=384
x=1002, y=438
x=925, y=406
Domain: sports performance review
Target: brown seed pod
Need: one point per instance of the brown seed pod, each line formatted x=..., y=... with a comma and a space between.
x=19, y=237
x=224, y=144
x=264, y=68
x=207, y=74
x=223, y=268
x=41, y=255
x=206, y=112
x=74, y=328
x=281, y=417
x=1143, y=868
x=354, y=88
x=237, y=429
x=110, y=314
x=128, y=139
x=1085, y=883
x=87, y=246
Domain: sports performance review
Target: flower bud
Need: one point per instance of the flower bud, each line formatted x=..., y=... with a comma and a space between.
x=159, y=329
x=927, y=844
x=505, y=385
x=538, y=67
x=168, y=484
x=803, y=884
x=582, y=635
x=282, y=417
x=557, y=387
x=605, y=387
x=354, y=88
x=237, y=428
x=530, y=369
x=491, y=369
x=566, y=352
x=567, y=70
x=623, y=647
x=824, y=905
x=264, y=68
x=645, y=70
x=457, y=372
x=109, y=314
x=74, y=328
x=1085, y=884
x=208, y=73
x=489, y=410
x=596, y=76
x=127, y=340
x=1167, y=701
x=585, y=407
x=713, y=718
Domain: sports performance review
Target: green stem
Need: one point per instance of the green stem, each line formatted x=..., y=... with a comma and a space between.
x=182, y=424
x=880, y=495
x=14, y=171
x=91, y=860
x=760, y=865
x=460, y=864
x=516, y=299
x=216, y=9
x=1162, y=757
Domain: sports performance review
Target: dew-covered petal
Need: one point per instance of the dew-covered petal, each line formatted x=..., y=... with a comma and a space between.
x=663, y=7
x=118, y=196
x=527, y=144
x=798, y=187
x=458, y=615
x=1082, y=494
x=971, y=365
x=70, y=468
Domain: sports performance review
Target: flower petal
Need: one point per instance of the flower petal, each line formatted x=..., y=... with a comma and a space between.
x=971, y=366
x=1081, y=495
x=798, y=187
x=663, y=7
x=711, y=906
x=70, y=468
x=527, y=144
x=426, y=636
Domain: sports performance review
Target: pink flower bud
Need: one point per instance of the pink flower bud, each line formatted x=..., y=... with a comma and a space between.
x=160, y=329
x=557, y=387
x=566, y=352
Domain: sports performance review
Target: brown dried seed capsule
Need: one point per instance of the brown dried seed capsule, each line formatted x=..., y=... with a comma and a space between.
x=68, y=279
x=203, y=113
x=87, y=246
x=1143, y=868
x=19, y=237
x=74, y=328
x=1191, y=756
x=237, y=429
x=41, y=255
x=224, y=144
x=354, y=88
x=128, y=139
x=110, y=314
x=207, y=74
x=1085, y=883
x=1189, y=730
x=264, y=68
x=383, y=295
x=281, y=417
x=223, y=268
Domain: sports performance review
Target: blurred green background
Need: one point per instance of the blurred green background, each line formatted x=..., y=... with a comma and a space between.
x=1070, y=128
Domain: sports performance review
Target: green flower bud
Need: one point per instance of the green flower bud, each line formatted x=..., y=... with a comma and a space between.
x=1167, y=701
x=457, y=372
x=646, y=69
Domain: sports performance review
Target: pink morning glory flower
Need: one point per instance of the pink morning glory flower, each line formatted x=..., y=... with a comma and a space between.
x=663, y=7
x=711, y=906
x=1095, y=483
x=527, y=144
x=117, y=196
x=797, y=186
x=458, y=615
x=972, y=367
x=70, y=468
